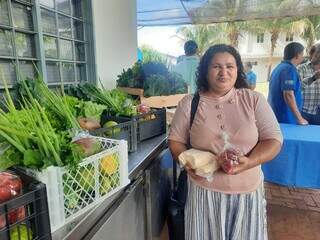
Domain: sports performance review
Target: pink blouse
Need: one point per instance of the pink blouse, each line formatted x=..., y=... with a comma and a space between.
x=244, y=115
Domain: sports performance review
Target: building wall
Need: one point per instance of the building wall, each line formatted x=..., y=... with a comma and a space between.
x=249, y=46
x=115, y=34
x=261, y=67
x=258, y=53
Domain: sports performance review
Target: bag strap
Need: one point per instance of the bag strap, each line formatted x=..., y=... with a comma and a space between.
x=194, y=107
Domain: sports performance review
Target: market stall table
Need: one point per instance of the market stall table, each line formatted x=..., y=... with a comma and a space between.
x=298, y=163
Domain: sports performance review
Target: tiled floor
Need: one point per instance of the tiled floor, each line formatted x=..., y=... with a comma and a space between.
x=292, y=197
x=292, y=224
x=288, y=224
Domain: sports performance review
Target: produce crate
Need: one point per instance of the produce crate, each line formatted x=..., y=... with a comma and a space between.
x=125, y=130
x=155, y=101
x=34, y=223
x=73, y=192
x=146, y=125
x=151, y=124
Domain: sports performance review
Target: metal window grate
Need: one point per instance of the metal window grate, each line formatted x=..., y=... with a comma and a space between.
x=49, y=35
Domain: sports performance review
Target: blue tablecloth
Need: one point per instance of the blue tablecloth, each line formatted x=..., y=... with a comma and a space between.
x=298, y=163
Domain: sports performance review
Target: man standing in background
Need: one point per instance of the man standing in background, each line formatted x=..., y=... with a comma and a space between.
x=310, y=85
x=306, y=69
x=188, y=64
x=251, y=76
x=284, y=87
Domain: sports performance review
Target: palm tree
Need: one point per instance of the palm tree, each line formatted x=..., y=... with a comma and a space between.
x=235, y=29
x=152, y=55
x=233, y=33
x=226, y=12
x=312, y=31
x=204, y=35
x=277, y=26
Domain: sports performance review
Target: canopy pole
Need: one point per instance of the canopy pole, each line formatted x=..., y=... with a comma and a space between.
x=185, y=9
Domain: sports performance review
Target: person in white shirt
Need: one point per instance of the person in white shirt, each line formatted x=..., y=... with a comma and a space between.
x=187, y=65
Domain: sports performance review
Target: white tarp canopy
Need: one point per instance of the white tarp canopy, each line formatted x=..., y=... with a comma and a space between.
x=177, y=12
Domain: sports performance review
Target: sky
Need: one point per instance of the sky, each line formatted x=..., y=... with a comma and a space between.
x=163, y=39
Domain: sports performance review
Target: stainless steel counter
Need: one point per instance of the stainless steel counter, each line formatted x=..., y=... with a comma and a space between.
x=87, y=224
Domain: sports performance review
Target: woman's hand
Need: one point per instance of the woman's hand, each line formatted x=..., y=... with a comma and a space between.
x=243, y=164
x=233, y=162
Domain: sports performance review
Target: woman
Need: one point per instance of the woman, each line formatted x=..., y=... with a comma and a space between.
x=232, y=206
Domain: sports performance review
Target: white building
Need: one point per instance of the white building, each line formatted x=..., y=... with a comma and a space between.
x=256, y=49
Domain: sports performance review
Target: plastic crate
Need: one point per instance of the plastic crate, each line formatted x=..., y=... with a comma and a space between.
x=125, y=130
x=73, y=192
x=146, y=125
x=34, y=225
x=151, y=124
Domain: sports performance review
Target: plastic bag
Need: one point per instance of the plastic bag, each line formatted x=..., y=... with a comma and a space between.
x=10, y=187
x=204, y=163
x=230, y=155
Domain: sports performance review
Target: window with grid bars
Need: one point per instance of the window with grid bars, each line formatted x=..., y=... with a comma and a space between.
x=260, y=38
x=49, y=35
x=289, y=37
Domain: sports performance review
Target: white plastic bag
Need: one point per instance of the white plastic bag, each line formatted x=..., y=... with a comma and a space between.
x=204, y=163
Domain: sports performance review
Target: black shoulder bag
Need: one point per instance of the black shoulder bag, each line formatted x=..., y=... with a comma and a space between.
x=180, y=190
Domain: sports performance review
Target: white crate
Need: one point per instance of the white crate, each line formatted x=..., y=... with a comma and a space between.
x=71, y=193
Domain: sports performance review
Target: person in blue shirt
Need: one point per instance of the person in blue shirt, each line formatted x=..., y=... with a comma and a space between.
x=251, y=76
x=284, y=87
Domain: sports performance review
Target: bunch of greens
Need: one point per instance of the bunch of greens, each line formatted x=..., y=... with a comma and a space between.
x=73, y=104
x=177, y=84
x=132, y=77
x=115, y=101
x=154, y=68
x=55, y=105
x=29, y=132
x=87, y=109
x=90, y=110
x=154, y=78
x=156, y=85
x=28, y=137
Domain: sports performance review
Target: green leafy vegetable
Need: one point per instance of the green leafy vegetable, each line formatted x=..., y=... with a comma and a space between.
x=9, y=156
x=32, y=158
x=92, y=110
x=154, y=78
x=57, y=105
x=115, y=101
x=132, y=77
x=156, y=85
x=73, y=104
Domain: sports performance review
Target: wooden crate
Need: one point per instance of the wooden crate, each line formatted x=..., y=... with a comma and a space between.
x=155, y=101
x=132, y=91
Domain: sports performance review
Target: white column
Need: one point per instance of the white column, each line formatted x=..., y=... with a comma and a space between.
x=115, y=34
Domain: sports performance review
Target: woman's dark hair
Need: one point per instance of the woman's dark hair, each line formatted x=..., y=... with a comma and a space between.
x=190, y=48
x=205, y=62
x=292, y=50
